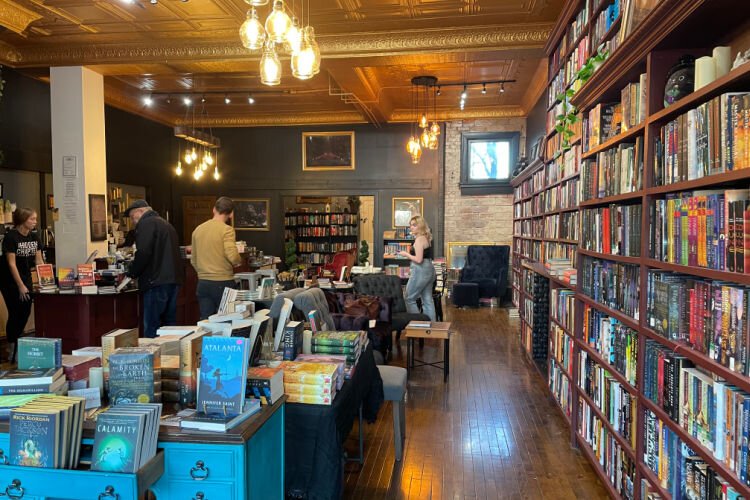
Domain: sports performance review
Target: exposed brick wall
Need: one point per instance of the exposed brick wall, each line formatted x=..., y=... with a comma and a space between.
x=476, y=218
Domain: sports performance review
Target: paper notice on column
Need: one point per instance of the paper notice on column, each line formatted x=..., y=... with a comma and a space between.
x=71, y=209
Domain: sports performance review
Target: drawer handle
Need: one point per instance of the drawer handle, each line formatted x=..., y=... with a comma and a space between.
x=199, y=496
x=14, y=490
x=109, y=492
x=199, y=472
x=3, y=458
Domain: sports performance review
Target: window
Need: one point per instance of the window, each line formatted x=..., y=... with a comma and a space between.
x=487, y=159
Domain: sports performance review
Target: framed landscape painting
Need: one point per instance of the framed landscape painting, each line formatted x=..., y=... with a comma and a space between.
x=251, y=214
x=404, y=209
x=328, y=150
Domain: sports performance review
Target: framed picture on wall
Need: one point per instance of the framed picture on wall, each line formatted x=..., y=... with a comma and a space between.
x=98, y=217
x=328, y=150
x=252, y=214
x=406, y=208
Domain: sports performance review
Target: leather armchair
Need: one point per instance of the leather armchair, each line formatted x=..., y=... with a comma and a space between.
x=389, y=287
x=487, y=266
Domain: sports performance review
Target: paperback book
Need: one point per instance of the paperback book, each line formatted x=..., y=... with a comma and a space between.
x=223, y=375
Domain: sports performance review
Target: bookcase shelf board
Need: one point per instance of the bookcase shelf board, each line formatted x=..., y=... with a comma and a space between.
x=621, y=440
x=653, y=480
x=556, y=404
x=713, y=274
x=601, y=362
x=611, y=199
x=607, y=256
x=561, y=368
x=725, y=178
x=562, y=327
x=622, y=318
x=610, y=143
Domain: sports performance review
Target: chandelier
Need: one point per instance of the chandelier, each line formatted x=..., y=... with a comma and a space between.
x=281, y=34
x=198, y=149
x=422, y=89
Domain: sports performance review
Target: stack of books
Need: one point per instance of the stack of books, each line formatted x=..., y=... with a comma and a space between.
x=310, y=383
x=126, y=437
x=49, y=380
x=7, y=403
x=46, y=278
x=343, y=343
x=76, y=369
x=39, y=352
x=170, y=378
x=46, y=432
x=265, y=384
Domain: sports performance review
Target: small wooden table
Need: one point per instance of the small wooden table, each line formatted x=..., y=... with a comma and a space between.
x=436, y=330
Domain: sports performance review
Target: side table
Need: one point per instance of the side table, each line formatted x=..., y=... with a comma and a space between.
x=436, y=330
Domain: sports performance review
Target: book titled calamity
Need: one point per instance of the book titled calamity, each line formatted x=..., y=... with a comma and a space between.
x=223, y=375
x=117, y=442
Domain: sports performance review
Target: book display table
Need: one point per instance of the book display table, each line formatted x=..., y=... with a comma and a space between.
x=437, y=330
x=246, y=462
x=315, y=434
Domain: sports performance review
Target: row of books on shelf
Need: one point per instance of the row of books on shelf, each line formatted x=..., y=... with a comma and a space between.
x=616, y=343
x=604, y=22
x=614, y=229
x=299, y=219
x=309, y=246
x=396, y=270
x=612, y=284
x=562, y=307
x=550, y=251
x=394, y=248
x=708, y=229
x=561, y=196
x=561, y=347
x=323, y=231
x=617, y=170
x=554, y=145
x=401, y=233
x=707, y=140
x=560, y=226
x=574, y=30
x=559, y=385
x=709, y=316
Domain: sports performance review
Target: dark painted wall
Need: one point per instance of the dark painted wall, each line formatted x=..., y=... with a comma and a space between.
x=536, y=122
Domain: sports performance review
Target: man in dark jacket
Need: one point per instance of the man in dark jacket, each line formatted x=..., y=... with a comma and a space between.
x=156, y=265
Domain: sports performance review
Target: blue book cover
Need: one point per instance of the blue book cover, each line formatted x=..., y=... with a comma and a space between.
x=131, y=376
x=118, y=441
x=223, y=374
x=34, y=437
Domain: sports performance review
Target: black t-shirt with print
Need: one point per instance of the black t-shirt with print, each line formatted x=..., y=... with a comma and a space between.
x=25, y=248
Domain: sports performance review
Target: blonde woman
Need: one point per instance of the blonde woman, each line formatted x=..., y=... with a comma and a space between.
x=422, y=274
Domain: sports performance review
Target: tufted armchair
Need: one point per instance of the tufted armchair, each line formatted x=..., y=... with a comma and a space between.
x=487, y=266
x=389, y=287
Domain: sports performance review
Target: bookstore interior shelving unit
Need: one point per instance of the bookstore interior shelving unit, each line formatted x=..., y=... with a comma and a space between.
x=647, y=347
x=393, y=242
x=319, y=235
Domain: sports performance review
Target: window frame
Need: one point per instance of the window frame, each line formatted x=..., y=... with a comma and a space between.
x=487, y=186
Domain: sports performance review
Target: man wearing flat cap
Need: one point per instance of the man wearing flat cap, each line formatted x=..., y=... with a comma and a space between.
x=156, y=265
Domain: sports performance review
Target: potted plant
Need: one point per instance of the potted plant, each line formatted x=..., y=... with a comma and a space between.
x=364, y=253
x=290, y=254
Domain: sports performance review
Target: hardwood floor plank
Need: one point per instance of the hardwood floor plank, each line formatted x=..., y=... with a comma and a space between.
x=490, y=432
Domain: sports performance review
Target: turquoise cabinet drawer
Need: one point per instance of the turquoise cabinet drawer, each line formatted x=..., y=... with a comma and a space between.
x=34, y=482
x=191, y=490
x=200, y=463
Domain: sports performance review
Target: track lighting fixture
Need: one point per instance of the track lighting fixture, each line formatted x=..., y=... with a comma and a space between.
x=464, y=94
x=227, y=100
x=484, y=88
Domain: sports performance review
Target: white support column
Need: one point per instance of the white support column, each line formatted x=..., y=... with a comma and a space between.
x=79, y=160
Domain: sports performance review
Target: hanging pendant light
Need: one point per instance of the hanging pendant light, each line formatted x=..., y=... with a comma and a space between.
x=423, y=122
x=252, y=33
x=216, y=173
x=278, y=23
x=433, y=142
x=270, y=66
x=257, y=3
x=435, y=129
x=294, y=37
x=208, y=159
x=416, y=153
x=188, y=157
x=310, y=31
x=178, y=169
x=303, y=61
x=424, y=138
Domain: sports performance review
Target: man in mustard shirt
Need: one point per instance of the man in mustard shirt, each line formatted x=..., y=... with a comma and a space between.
x=214, y=257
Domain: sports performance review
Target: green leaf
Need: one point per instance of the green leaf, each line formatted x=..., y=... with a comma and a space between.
x=560, y=117
x=559, y=128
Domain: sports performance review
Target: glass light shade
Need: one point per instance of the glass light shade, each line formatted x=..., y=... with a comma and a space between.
x=208, y=159
x=303, y=61
x=416, y=154
x=270, y=67
x=278, y=22
x=188, y=157
x=310, y=34
x=178, y=169
x=293, y=38
x=424, y=139
x=423, y=123
x=252, y=33
x=410, y=144
x=433, y=143
x=435, y=128
x=197, y=174
x=216, y=173
x=257, y=3
x=193, y=155
x=204, y=167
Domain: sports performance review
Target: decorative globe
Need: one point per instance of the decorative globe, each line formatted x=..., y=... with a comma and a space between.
x=680, y=81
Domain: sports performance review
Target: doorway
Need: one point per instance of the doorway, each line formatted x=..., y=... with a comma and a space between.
x=195, y=211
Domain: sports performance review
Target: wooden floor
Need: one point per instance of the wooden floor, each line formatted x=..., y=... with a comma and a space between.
x=490, y=432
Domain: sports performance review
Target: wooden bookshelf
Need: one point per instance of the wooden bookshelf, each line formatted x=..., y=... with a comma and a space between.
x=620, y=440
x=651, y=48
x=320, y=235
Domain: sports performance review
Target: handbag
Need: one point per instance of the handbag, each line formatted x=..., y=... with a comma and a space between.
x=364, y=305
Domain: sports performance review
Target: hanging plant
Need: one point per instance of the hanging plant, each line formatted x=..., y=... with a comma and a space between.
x=569, y=116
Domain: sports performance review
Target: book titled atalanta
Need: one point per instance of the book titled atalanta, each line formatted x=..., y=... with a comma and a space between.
x=223, y=374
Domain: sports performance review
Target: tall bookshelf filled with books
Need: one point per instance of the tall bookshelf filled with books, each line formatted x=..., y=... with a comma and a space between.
x=648, y=355
x=319, y=235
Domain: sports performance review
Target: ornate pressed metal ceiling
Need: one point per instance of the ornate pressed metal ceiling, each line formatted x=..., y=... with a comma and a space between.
x=371, y=49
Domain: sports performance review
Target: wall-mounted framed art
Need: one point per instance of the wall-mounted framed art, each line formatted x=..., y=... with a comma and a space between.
x=328, y=150
x=406, y=208
x=252, y=214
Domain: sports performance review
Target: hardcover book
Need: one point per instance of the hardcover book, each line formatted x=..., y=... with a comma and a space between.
x=340, y=338
x=37, y=352
x=190, y=358
x=292, y=340
x=218, y=422
x=115, y=339
x=86, y=275
x=131, y=376
x=77, y=367
x=223, y=375
x=309, y=373
x=265, y=384
x=9, y=378
x=46, y=276
x=118, y=442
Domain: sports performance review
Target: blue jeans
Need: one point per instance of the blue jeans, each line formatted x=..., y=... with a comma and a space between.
x=420, y=285
x=209, y=295
x=159, y=308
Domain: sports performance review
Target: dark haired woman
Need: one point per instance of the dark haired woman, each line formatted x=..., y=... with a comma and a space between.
x=21, y=253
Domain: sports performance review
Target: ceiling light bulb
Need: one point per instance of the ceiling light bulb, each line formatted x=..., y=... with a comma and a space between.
x=250, y=99
x=270, y=66
x=464, y=94
x=433, y=143
x=502, y=87
x=203, y=100
x=227, y=100
x=438, y=91
x=416, y=153
x=310, y=33
x=188, y=157
x=178, y=169
x=197, y=174
x=423, y=123
x=216, y=173
x=208, y=158
x=435, y=128
x=424, y=139
x=252, y=33
x=484, y=88
x=278, y=22
x=303, y=61
x=410, y=144
x=148, y=101
x=188, y=101
x=193, y=155
x=293, y=37
x=204, y=167
x=257, y=3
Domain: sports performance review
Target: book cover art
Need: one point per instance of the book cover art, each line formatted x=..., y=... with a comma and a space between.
x=116, y=339
x=223, y=374
x=292, y=340
x=117, y=442
x=35, y=353
x=34, y=437
x=340, y=338
x=308, y=373
x=46, y=275
x=131, y=376
x=66, y=277
x=86, y=275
